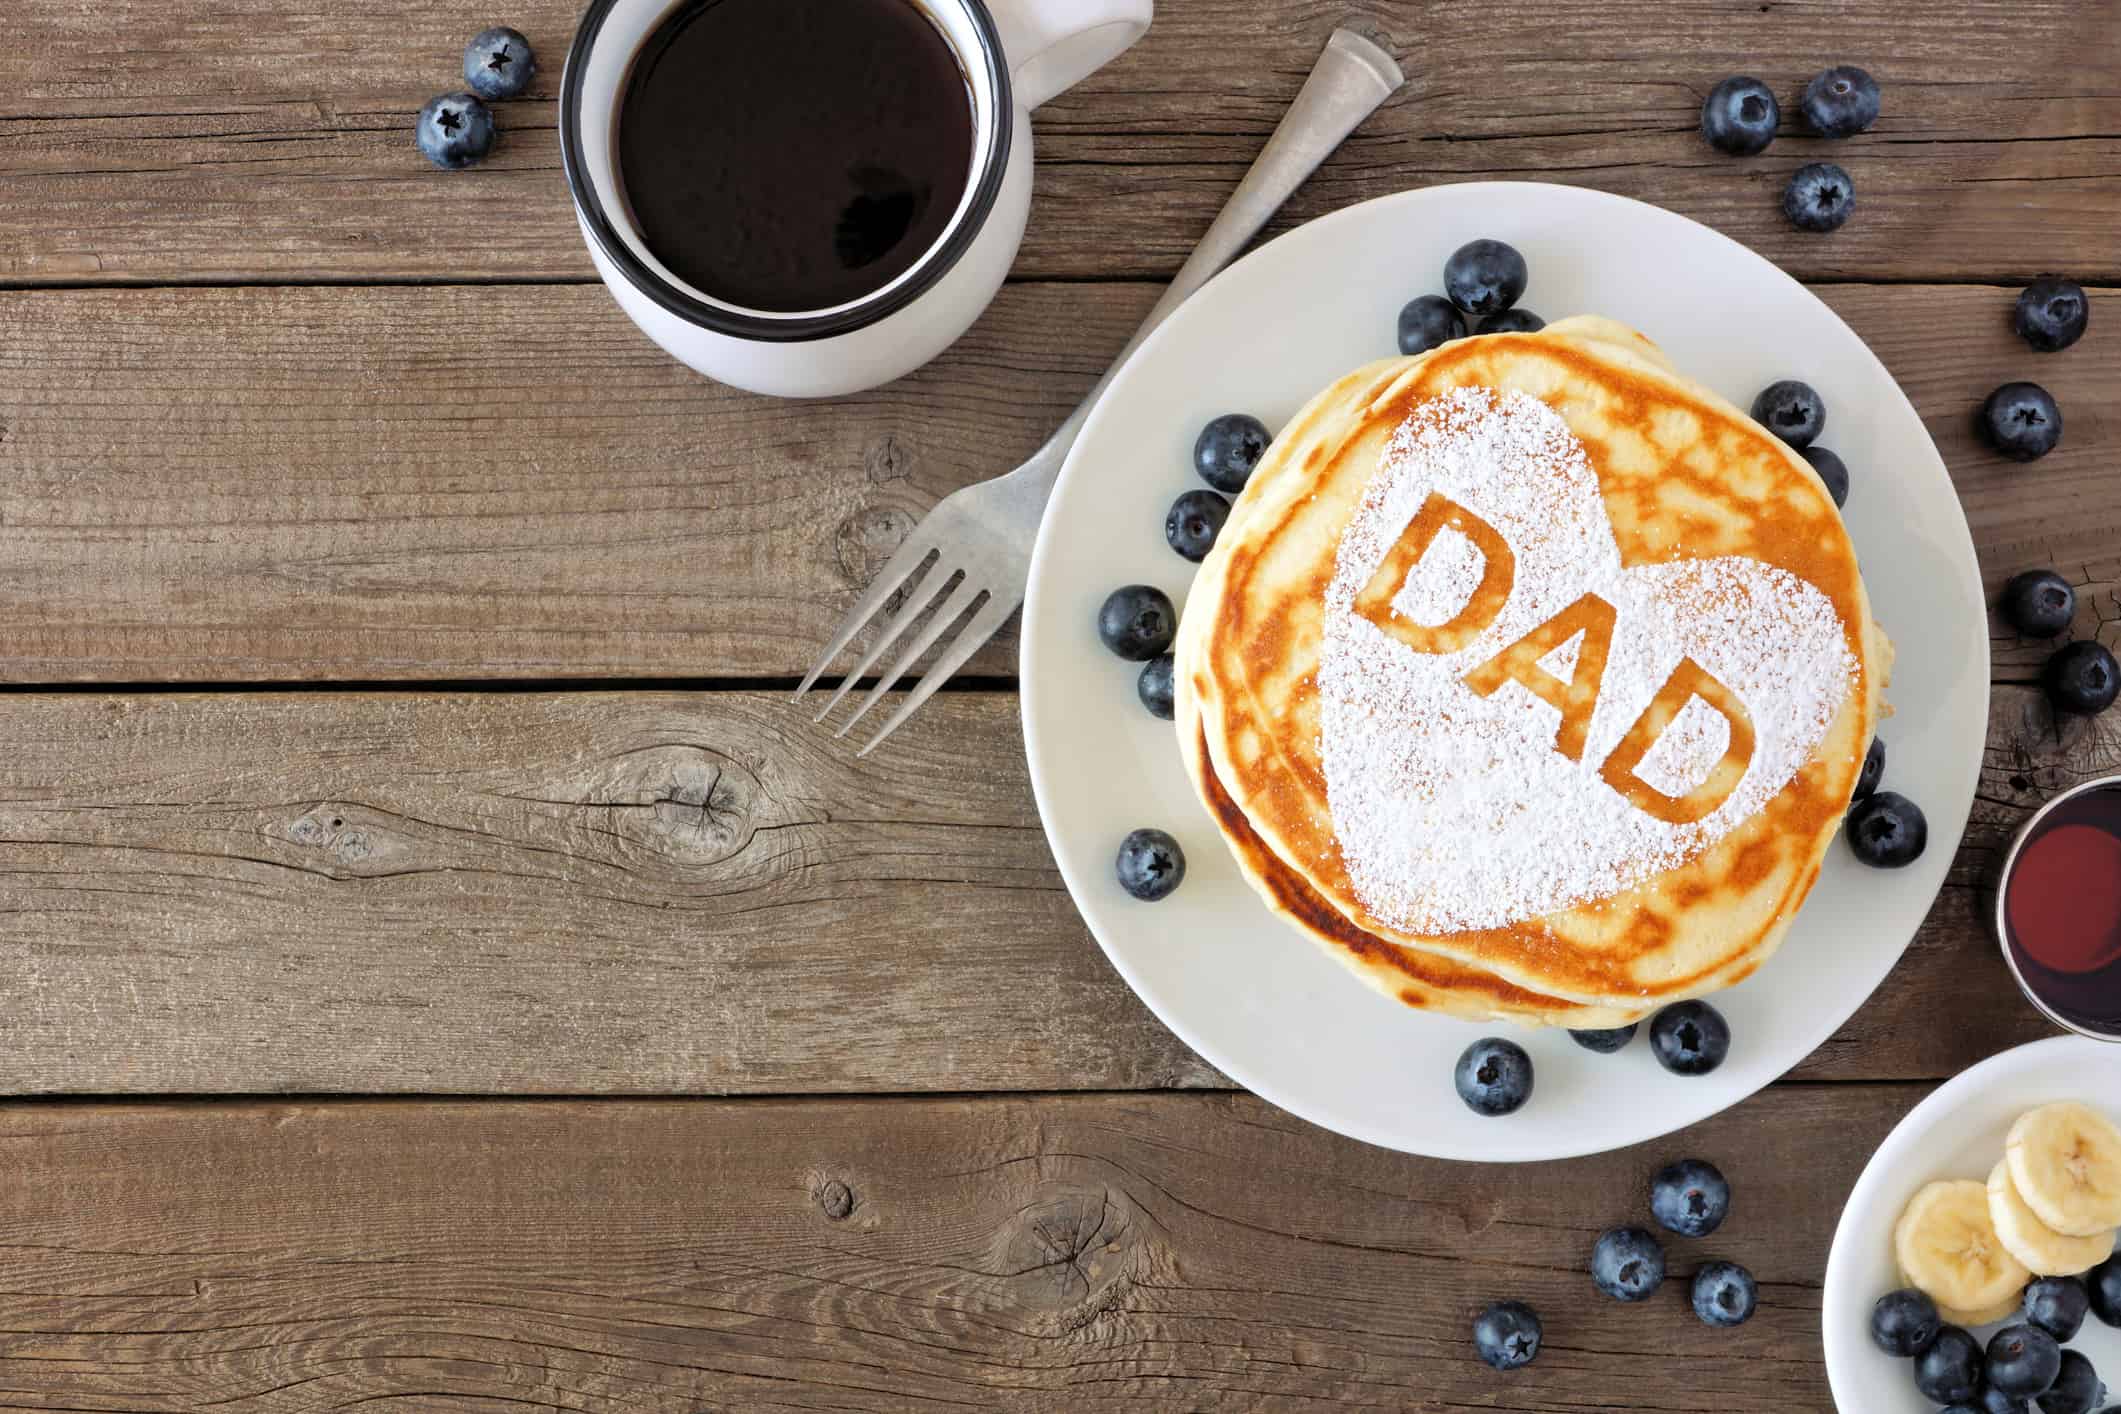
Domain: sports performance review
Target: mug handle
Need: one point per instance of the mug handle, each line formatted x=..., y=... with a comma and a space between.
x=1053, y=45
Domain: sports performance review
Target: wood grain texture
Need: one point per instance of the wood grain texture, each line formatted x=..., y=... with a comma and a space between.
x=535, y=893
x=248, y=141
x=1067, y=1254
x=361, y=484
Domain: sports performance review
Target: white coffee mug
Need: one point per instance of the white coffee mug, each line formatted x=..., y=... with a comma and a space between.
x=1016, y=54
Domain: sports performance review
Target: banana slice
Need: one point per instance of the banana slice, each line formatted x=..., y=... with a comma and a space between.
x=1948, y=1249
x=2044, y=1251
x=1967, y=1320
x=2065, y=1161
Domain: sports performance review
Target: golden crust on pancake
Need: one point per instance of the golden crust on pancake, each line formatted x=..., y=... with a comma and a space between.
x=1677, y=468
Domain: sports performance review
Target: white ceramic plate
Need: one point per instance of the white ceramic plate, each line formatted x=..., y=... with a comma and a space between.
x=1267, y=1007
x=1955, y=1133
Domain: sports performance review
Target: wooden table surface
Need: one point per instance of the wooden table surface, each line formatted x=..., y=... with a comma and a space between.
x=395, y=657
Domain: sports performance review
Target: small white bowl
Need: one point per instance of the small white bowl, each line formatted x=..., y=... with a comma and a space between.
x=1957, y=1132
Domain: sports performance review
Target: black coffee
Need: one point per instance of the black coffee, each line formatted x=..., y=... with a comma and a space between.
x=794, y=154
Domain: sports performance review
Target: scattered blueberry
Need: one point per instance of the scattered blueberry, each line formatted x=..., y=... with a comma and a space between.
x=1627, y=1264
x=2051, y=314
x=2057, y=1305
x=1507, y=1335
x=1137, y=622
x=1228, y=448
x=1833, y=472
x=1494, y=1076
x=2077, y=1389
x=1840, y=102
x=1820, y=197
x=1791, y=410
x=1195, y=519
x=2021, y=421
x=1485, y=277
x=1427, y=321
x=1606, y=1041
x=1949, y=1370
x=2104, y=1284
x=1873, y=770
x=1690, y=1038
x=2023, y=1360
x=1150, y=865
x=2082, y=678
x=1740, y=116
x=1725, y=1294
x=1512, y=321
x=2039, y=604
x=1155, y=686
x=455, y=130
x=1905, y=1323
x=1690, y=1198
x=499, y=63
x=1886, y=830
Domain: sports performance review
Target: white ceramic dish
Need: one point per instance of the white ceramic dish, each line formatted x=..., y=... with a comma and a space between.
x=1956, y=1133
x=1270, y=1009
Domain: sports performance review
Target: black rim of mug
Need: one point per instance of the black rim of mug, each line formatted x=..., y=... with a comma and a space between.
x=797, y=328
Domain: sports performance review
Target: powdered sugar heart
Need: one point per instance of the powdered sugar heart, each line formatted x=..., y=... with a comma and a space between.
x=1457, y=810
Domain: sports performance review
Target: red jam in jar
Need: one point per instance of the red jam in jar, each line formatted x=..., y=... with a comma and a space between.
x=2062, y=910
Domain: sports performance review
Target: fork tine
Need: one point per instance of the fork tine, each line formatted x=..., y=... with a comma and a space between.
x=945, y=617
x=897, y=570
x=983, y=627
x=931, y=587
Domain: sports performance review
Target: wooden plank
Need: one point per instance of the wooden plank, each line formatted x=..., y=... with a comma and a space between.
x=653, y=893
x=360, y=484
x=242, y=141
x=1066, y=1254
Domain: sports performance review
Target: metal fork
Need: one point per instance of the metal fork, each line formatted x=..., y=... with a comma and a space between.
x=972, y=553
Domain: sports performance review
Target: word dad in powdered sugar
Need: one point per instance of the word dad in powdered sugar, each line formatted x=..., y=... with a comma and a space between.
x=1513, y=721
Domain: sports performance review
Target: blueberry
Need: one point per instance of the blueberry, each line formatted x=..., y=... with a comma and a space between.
x=1740, y=116
x=1494, y=1076
x=2051, y=314
x=1154, y=686
x=455, y=130
x=2082, y=678
x=1873, y=771
x=1605, y=1042
x=1137, y=622
x=1228, y=448
x=2057, y=1306
x=1485, y=277
x=1833, y=472
x=2077, y=1389
x=1427, y=321
x=1150, y=865
x=1886, y=830
x=2023, y=1360
x=1512, y=321
x=1725, y=1294
x=499, y=63
x=1690, y=1038
x=1627, y=1264
x=1195, y=519
x=1820, y=197
x=1949, y=1371
x=1904, y=1323
x=1791, y=410
x=1994, y=1401
x=1840, y=102
x=2104, y=1284
x=1507, y=1335
x=2038, y=604
x=1690, y=1198
x=2021, y=421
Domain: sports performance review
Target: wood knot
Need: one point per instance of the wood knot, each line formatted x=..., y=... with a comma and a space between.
x=887, y=460
x=1071, y=1255
x=691, y=804
x=867, y=538
x=836, y=1200
x=345, y=842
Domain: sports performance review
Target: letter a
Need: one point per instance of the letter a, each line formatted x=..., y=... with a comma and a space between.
x=1688, y=680
x=1498, y=571
x=1575, y=699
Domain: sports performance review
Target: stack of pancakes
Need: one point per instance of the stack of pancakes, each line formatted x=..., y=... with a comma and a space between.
x=1531, y=679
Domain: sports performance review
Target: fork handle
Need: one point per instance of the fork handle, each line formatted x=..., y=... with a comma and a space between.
x=1352, y=77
